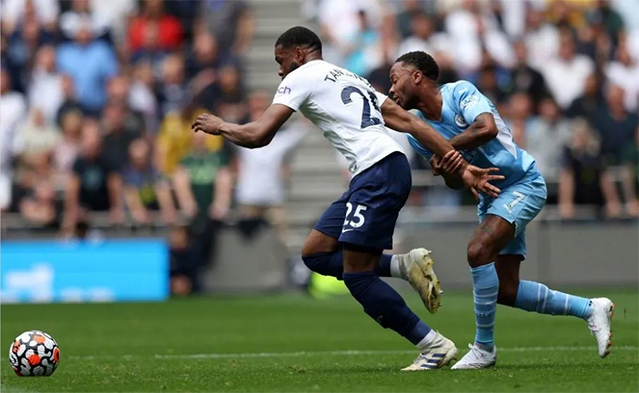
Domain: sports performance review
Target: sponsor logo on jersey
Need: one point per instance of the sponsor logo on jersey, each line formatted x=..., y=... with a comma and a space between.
x=460, y=121
x=469, y=102
x=470, y=155
x=284, y=90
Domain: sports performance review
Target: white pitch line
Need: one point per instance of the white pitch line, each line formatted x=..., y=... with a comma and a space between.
x=331, y=353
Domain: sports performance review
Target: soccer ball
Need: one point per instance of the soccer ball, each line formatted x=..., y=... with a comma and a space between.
x=34, y=353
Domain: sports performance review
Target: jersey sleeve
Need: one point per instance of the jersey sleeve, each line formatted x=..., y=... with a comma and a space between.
x=381, y=97
x=294, y=90
x=470, y=102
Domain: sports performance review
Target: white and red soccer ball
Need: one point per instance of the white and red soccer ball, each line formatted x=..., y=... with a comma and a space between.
x=34, y=353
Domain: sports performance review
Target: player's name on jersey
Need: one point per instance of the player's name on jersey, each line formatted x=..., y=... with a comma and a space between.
x=336, y=73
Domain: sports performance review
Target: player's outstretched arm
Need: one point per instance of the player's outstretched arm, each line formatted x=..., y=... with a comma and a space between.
x=399, y=120
x=482, y=131
x=256, y=134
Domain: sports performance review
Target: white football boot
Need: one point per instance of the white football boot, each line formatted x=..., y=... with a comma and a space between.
x=439, y=353
x=599, y=323
x=417, y=268
x=476, y=358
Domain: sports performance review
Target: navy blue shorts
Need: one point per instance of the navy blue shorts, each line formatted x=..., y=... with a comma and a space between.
x=366, y=214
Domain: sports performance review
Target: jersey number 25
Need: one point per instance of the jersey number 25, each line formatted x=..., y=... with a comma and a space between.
x=367, y=120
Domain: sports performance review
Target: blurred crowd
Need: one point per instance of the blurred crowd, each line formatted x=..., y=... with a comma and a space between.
x=564, y=75
x=97, y=98
x=97, y=101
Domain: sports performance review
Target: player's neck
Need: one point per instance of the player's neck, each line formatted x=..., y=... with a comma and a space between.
x=432, y=108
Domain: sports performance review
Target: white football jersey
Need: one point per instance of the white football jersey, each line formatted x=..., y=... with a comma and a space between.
x=345, y=107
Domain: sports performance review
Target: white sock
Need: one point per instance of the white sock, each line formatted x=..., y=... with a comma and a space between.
x=394, y=266
x=425, y=343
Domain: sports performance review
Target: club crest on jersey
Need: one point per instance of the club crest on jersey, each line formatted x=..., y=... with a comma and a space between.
x=460, y=121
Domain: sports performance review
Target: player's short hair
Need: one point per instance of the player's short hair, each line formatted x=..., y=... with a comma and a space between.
x=421, y=61
x=299, y=36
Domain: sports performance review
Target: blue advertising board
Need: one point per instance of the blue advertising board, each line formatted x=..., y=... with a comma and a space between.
x=111, y=270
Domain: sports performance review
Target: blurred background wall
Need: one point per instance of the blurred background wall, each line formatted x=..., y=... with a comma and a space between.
x=97, y=98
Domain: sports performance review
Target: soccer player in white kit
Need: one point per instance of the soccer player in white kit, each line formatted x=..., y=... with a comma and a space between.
x=348, y=239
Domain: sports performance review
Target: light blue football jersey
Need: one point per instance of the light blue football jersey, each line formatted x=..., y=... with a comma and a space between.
x=462, y=103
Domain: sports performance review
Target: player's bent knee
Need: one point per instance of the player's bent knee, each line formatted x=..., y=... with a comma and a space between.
x=318, y=242
x=359, y=259
x=478, y=254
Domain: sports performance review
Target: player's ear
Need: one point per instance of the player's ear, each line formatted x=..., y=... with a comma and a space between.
x=417, y=77
x=298, y=54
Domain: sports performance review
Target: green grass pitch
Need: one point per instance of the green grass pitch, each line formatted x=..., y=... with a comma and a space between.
x=291, y=343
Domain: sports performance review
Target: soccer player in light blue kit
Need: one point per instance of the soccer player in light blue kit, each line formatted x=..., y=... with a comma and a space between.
x=472, y=125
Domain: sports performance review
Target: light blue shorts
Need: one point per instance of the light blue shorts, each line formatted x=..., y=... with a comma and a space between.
x=518, y=203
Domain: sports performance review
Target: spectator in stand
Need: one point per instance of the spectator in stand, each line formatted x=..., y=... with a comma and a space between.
x=17, y=12
x=169, y=29
x=591, y=100
x=580, y=180
x=615, y=125
x=67, y=150
x=203, y=59
x=203, y=182
x=145, y=189
x=95, y=184
x=23, y=45
x=118, y=14
x=546, y=138
x=119, y=92
x=142, y=98
x=262, y=172
x=423, y=37
x=13, y=69
x=447, y=73
x=81, y=12
x=361, y=46
x=34, y=138
x=172, y=91
x=69, y=101
x=519, y=117
x=231, y=22
x=610, y=20
x=525, y=78
x=566, y=75
x=624, y=72
x=474, y=31
x=150, y=51
x=493, y=81
x=173, y=142
x=46, y=90
x=39, y=204
x=378, y=77
x=617, y=129
x=231, y=104
x=91, y=64
x=541, y=37
x=203, y=68
x=13, y=108
x=339, y=21
x=118, y=134
x=405, y=18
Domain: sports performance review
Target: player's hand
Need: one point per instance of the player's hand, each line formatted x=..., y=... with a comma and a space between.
x=452, y=162
x=207, y=123
x=477, y=179
x=435, y=164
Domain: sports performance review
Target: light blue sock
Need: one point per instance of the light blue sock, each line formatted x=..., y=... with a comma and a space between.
x=533, y=296
x=485, y=290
